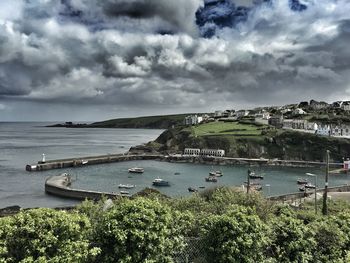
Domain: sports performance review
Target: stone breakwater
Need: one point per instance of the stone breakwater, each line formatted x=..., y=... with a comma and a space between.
x=59, y=185
x=177, y=158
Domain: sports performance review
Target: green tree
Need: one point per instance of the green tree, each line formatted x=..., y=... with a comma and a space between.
x=45, y=235
x=236, y=236
x=140, y=230
x=292, y=240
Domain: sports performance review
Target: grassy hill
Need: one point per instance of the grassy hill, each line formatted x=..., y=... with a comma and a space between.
x=251, y=141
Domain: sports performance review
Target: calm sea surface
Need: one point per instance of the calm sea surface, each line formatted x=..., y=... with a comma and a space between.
x=24, y=143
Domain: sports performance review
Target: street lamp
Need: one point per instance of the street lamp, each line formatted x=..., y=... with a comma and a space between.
x=314, y=175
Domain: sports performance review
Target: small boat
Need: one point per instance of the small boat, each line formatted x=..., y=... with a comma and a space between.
x=126, y=186
x=192, y=189
x=177, y=173
x=302, y=181
x=124, y=192
x=211, y=179
x=84, y=162
x=302, y=189
x=201, y=187
x=137, y=170
x=216, y=173
x=160, y=182
x=310, y=186
x=252, y=175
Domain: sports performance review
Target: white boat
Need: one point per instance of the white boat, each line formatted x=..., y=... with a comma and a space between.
x=126, y=186
x=84, y=162
x=124, y=192
x=137, y=170
x=216, y=173
x=160, y=182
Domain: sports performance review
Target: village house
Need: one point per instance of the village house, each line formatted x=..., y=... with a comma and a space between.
x=318, y=105
x=192, y=151
x=323, y=129
x=299, y=111
x=340, y=130
x=276, y=121
x=262, y=117
x=346, y=105
x=299, y=124
x=193, y=120
x=204, y=152
x=242, y=113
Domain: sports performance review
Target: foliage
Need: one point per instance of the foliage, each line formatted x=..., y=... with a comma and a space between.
x=139, y=230
x=292, y=240
x=46, y=235
x=236, y=236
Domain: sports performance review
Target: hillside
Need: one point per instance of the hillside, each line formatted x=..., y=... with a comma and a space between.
x=250, y=141
x=147, y=122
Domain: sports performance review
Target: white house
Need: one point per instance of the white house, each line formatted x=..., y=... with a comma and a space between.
x=193, y=120
x=242, y=113
x=323, y=129
x=299, y=111
x=192, y=151
x=213, y=152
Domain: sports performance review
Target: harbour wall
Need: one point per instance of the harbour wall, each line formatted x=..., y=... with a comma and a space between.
x=178, y=158
x=59, y=185
x=299, y=195
x=91, y=160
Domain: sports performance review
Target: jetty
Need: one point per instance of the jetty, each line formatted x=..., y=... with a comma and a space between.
x=60, y=185
x=90, y=160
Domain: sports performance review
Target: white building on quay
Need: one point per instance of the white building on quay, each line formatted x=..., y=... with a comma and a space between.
x=204, y=152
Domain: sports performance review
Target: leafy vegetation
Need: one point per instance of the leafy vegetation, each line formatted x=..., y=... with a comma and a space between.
x=223, y=224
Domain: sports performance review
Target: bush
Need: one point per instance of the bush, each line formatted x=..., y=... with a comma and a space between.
x=45, y=235
x=237, y=236
x=140, y=230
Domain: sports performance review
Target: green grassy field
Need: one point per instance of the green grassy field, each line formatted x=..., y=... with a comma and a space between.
x=225, y=128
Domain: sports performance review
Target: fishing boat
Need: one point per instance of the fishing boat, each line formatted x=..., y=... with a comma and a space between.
x=124, y=192
x=160, y=182
x=126, y=186
x=302, y=189
x=211, y=179
x=216, y=173
x=253, y=175
x=302, y=181
x=310, y=186
x=137, y=170
x=192, y=189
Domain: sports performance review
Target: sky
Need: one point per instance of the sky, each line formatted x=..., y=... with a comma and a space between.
x=89, y=60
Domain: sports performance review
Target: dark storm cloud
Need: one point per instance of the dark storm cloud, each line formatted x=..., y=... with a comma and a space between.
x=91, y=52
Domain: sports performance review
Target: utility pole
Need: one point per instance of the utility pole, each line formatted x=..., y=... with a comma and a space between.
x=325, y=194
x=248, y=182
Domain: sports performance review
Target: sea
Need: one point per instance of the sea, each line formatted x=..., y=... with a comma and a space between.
x=24, y=143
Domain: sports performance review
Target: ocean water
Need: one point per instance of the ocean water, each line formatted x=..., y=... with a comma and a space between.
x=24, y=143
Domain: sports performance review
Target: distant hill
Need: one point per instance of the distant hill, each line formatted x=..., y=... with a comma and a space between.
x=147, y=122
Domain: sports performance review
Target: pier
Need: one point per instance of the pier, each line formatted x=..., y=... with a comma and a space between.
x=176, y=158
x=59, y=185
x=91, y=160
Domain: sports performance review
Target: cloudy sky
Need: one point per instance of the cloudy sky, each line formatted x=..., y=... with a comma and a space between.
x=93, y=60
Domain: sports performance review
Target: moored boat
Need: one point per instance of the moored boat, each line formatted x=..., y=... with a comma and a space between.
x=253, y=175
x=216, y=173
x=160, y=182
x=138, y=170
x=192, y=189
x=124, y=192
x=302, y=181
x=126, y=186
x=310, y=186
x=211, y=179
